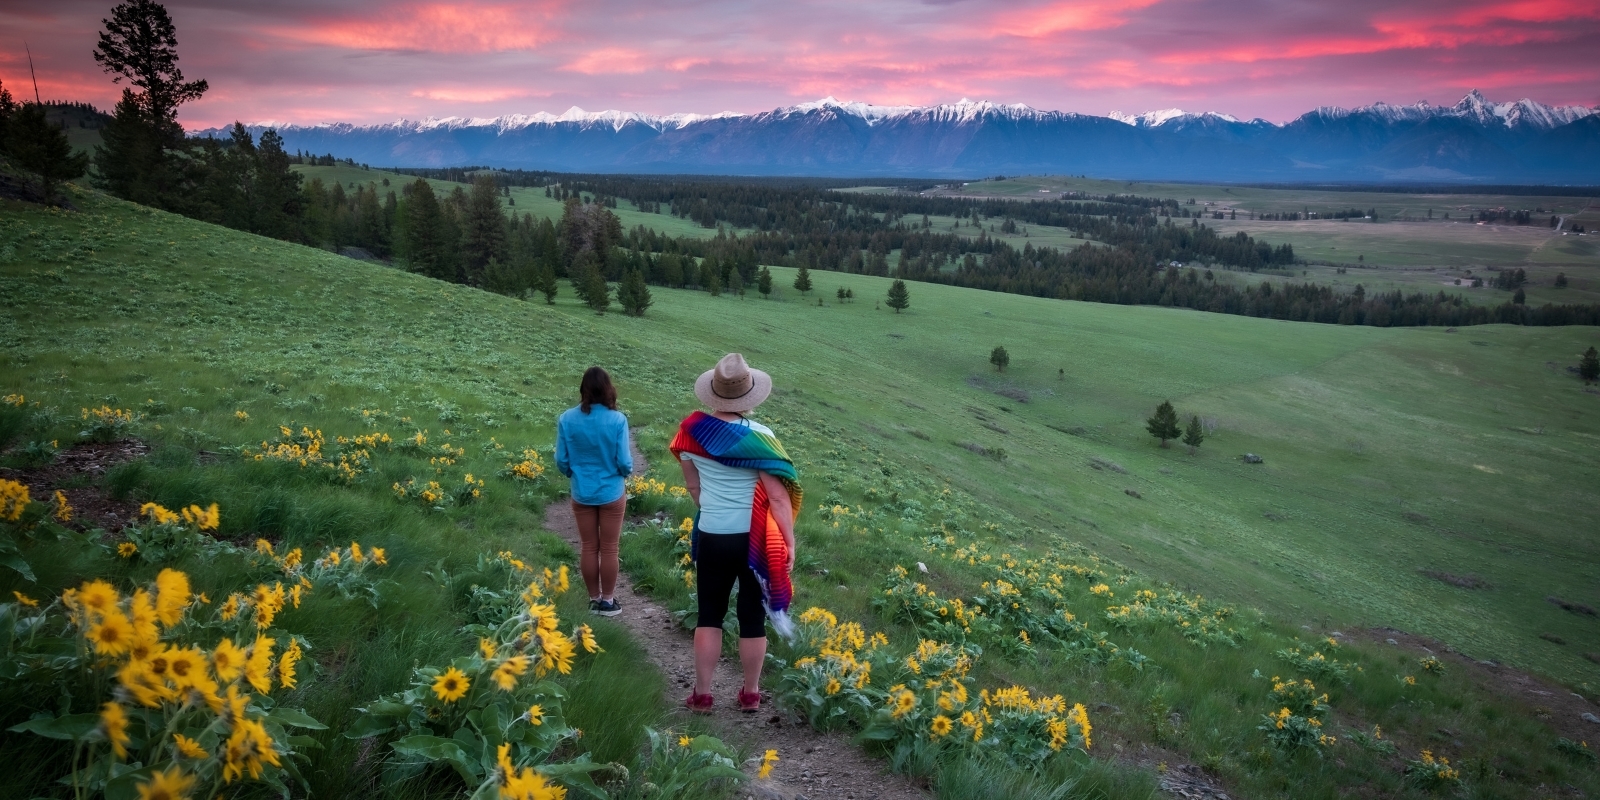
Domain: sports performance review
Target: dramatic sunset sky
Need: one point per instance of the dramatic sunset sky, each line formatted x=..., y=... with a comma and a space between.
x=373, y=61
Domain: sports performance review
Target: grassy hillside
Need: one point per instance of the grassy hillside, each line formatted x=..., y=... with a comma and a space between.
x=1389, y=454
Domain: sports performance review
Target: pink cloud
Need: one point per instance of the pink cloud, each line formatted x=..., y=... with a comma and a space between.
x=371, y=61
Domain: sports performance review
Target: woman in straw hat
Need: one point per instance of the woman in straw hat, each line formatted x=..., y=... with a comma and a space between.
x=748, y=493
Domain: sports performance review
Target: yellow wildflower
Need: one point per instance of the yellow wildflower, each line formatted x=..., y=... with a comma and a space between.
x=505, y=675
x=586, y=637
x=452, y=685
x=172, y=596
x=258, y=669
x=767, y=762
x=227, y=660
x=536, y=714
x=188, y=748
x=63, y=511
x=112, y=635
x=168, y=784
x=25, y=600
x=127, y=549
x=940, y=726
x=115, y=723
x=286, y=663
x=249, y=748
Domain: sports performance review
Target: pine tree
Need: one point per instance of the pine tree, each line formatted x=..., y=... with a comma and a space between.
x=140, y=155
x=840, y=294
x=1000, y=358
x=597, y=295
x=483, y=228
x=633, y=294
x=546, y=284
x=736, y=283
x=1589, y=367
x=1194, y=434
x=8, y=110
x=711, y=279
x=1164, y=425
x=802, y=280
x=41, y=148
x=1520, y=297
x=899, y=296
x=1561, y=280
x=425, y=244
x=764, y=283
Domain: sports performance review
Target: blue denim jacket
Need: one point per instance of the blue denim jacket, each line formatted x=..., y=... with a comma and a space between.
x=592, y=450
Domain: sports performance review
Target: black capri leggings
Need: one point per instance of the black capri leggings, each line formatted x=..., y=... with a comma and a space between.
x=722, y=559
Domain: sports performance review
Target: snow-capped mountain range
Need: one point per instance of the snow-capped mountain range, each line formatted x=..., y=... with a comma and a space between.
x=1474, y=140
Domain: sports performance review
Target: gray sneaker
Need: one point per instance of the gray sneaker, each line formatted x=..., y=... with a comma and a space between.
x=607, y=608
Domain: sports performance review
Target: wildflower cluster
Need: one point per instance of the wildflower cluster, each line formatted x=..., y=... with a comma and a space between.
x=163, y=535
x=1023, y=607
x=14, y=400
x=493, y=700
x=678, y=765
x=527, y=469
x=923, y=701
x=648, y=495
x=1433, y=773
x=191, y=715
x=14, y=500
x=1300, y=716
x=343, y=569
x=1198, y=621
x=307, y=447
x=1431, y=665
x=440, y=496
x=106, y=424
x=1310, y=659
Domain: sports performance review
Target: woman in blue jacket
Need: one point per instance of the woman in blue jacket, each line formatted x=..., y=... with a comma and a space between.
x=592, y=449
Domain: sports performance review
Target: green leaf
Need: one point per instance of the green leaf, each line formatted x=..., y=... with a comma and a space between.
x=369, y=725
x=126, y=785
x=296, y=718
x=18, y=563
x=71, y=728
x=434, y=748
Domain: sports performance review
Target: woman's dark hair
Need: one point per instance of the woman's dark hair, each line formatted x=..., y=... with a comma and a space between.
x=596, y=389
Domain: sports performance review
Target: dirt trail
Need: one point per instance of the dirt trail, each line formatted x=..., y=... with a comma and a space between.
x=812, y=765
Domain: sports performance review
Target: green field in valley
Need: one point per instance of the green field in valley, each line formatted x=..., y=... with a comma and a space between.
x=1392, y=458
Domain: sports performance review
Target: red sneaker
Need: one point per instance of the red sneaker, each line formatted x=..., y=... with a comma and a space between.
x=699, y=703
x=749, y=702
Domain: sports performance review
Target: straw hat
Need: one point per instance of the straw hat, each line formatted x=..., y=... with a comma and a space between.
x=732, y=386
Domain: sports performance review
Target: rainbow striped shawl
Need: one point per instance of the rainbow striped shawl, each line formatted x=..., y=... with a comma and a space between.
x=738, y=446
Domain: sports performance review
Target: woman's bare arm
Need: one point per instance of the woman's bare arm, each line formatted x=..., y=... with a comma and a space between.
x=782, y=510
x=691, y=478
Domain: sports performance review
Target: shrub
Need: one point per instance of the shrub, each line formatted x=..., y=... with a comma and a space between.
x=106, y=424
x=1432, y=774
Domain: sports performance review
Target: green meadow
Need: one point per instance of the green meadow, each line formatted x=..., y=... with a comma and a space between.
x=1390, y=457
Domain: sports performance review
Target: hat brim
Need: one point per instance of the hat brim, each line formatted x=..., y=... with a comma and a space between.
x=757, y=395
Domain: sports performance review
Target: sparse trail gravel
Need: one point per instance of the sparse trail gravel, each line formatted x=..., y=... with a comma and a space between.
x=813, y=765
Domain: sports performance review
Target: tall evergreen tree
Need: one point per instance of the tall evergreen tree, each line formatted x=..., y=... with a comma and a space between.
x=802, y=280
x=140, y=157
x=899, y=296
x=1000, y=358
x=597, y=295
x=711, y=279
x=483, y=234
x=736, y=284
x=1194, y=434
x=546, y=281
x=633, y=294
x=1164, y=425
x=1589, y=367
x=8, y=110
x=425, y=244
x=764, y=283
x=41, y=148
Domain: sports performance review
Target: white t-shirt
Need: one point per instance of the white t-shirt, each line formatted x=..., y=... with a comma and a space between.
x=727, y=494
